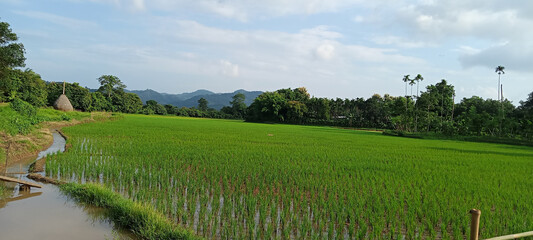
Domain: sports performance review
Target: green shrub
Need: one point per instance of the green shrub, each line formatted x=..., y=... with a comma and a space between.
x=24, y=108
x=21, y=125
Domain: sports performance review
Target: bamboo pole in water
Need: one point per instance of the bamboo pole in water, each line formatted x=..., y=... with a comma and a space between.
x=7, y=154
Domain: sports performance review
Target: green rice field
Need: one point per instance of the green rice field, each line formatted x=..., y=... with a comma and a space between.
x=232, y=179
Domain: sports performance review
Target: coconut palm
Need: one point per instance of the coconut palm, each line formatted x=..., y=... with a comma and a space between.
x=499, y=71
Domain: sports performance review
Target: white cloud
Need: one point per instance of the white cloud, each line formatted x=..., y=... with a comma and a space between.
x=275, y=59
x=359, y=19
x=56, y=19
x=229, y=69
x=138, y=5
x=514, y=55
x=322, y=31
x=483, y=19
x=242, y=10
x=190, y=55
x=467, y=50
x=401, y=42
x=325, y=51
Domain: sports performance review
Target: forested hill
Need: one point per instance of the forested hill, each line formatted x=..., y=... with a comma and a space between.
x=215, y=100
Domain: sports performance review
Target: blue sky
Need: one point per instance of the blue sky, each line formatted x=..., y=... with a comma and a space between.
x=334, y=48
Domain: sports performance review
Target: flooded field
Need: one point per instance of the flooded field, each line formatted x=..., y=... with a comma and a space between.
x=45, y=213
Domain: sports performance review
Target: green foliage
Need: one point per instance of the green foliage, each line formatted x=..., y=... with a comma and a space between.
x=295, y=106
x=213, y=175
x=126, y=102
x=23, y=108
x=82, y=99
x=79, y=97
x=238, y=107
x=141, y=219
x=152, y=107
x=202, y=104
x=109, y=85
x=99, y=102
x=11, y=53
x=12, y=122
x=26, y=85
x=267, y=107
x=26, y=117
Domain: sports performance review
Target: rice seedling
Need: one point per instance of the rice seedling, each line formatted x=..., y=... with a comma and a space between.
x=231, y=179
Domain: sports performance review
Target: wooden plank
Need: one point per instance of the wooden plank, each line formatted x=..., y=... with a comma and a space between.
x=513, y=236
x=8, y=179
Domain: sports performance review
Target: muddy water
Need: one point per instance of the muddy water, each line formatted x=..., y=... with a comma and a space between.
x=46, y=213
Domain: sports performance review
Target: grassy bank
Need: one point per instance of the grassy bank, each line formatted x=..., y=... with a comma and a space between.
x=21, y=128
x=144, y=221
x=15, y=122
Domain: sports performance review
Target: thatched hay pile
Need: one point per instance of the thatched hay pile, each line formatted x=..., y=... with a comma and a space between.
x=62, y=103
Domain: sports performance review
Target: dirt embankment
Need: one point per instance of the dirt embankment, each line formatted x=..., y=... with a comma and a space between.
x=39, y=178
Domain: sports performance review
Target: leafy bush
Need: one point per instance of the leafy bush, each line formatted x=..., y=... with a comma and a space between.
x=24, y=108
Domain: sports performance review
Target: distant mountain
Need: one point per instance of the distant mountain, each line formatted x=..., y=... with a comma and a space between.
x=167, y=98
x=215, y=100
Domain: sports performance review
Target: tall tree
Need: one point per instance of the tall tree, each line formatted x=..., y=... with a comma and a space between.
x=499, y=70
x=238, y=106
x=202, y=104
x=11, y=52
x=411, y=83
x=11, y=55
x=109, y=84
x=418, y=79
x=406, y=79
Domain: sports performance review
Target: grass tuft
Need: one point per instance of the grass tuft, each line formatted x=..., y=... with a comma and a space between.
x=142, y=220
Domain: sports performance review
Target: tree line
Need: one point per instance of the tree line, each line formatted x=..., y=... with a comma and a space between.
x=432, y=111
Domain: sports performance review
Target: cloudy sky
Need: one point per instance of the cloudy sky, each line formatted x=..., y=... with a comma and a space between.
x=334, y=48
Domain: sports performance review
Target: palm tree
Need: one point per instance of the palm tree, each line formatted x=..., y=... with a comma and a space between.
x=418, y=79
x=405, y=80
x=499, y=71
x=411, y=83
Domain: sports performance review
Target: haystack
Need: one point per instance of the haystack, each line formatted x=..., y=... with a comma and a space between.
x=62, y=103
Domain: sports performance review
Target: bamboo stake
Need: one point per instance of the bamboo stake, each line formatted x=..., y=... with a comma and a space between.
x=474, y=224
x=513, y=236
x=7, y=154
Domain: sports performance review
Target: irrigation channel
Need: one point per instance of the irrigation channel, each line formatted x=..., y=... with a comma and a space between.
x=45, y=213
